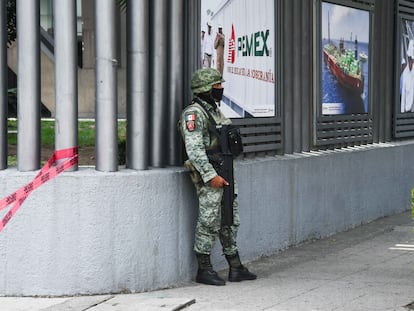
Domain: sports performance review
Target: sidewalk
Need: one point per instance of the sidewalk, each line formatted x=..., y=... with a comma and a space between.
x=367, y=268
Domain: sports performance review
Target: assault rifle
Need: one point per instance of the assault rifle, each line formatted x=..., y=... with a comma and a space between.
x=230, y=146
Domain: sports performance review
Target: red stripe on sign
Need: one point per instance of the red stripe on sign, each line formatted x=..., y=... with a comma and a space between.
x=50, y=170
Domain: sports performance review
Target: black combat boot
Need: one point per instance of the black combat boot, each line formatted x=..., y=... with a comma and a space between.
x=205, y=273
x=237, y=271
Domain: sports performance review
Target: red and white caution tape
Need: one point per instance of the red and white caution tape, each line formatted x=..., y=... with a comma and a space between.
x=51, y=169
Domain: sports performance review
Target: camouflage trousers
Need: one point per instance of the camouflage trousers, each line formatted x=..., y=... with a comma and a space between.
x=209, y=226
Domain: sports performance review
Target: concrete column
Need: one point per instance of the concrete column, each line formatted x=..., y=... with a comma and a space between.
x=138, y=84
x=28, y=84
x=106, y=87
x=192, y=44
x=176, y=78
x=3, y=86
x=66, y=82
x=159, y=78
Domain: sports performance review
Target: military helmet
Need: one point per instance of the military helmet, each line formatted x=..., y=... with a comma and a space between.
x=204, y=79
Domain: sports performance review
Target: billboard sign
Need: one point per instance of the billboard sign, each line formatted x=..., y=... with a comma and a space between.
x=345, y=55
x=248, y=58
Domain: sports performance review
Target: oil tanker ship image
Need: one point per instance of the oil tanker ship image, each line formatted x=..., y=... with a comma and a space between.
x=345, y=64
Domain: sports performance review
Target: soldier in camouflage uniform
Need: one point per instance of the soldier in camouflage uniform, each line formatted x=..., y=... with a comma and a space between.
x=198, y=139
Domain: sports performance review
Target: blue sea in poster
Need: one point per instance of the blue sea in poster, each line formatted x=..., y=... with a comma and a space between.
x=336, y=99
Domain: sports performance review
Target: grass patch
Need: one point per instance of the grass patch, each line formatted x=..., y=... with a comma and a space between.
x=86, y=132
x=86, y=136
x=11, y=160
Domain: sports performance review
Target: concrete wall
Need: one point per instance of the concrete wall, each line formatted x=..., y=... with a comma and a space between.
x=88, y=232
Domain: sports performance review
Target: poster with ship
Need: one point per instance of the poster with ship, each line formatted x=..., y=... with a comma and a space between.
x=407, y=68
x=345, y=59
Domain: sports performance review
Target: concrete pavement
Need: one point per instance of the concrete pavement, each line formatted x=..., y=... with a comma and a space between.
x=367, y=268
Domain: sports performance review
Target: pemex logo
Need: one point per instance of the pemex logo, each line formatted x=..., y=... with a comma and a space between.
x=232, y=47
x=249, y=45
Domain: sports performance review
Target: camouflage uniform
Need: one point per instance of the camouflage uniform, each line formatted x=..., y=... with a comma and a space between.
x=194, y=127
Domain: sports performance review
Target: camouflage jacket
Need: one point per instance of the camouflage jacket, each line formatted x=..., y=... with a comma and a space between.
x=194, y=128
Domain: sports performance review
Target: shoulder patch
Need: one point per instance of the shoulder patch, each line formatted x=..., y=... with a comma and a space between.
x=190, y=121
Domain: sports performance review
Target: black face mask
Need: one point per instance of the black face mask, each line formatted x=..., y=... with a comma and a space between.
x=208, y=98
x=217, y=94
